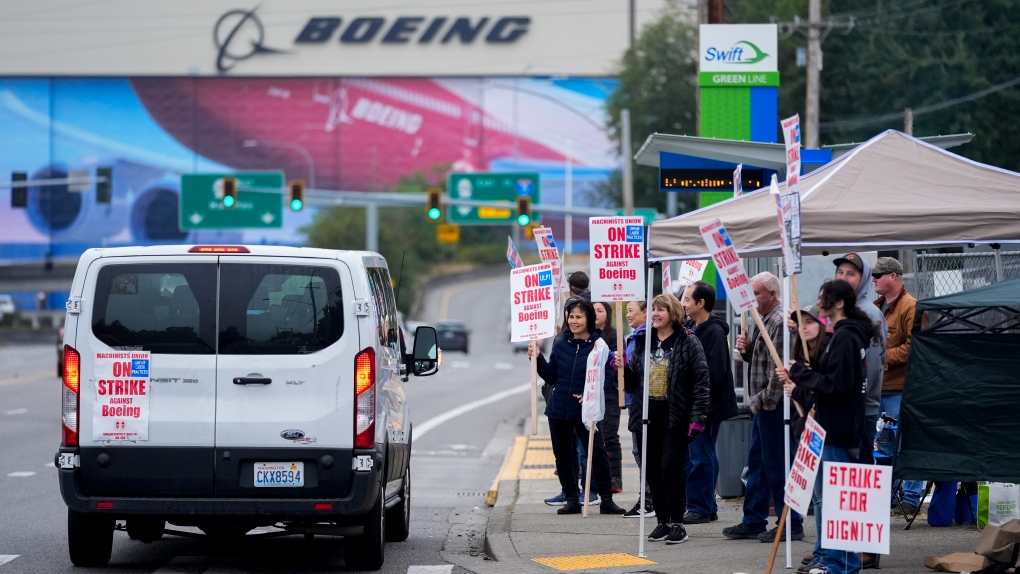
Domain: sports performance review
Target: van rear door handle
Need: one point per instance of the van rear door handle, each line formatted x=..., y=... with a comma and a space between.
x=252, y=381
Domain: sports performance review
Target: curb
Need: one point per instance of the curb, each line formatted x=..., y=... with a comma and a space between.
x=511, y=468
x=498, y=545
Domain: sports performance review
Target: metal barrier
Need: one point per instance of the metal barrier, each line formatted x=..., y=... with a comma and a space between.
x=938, y=274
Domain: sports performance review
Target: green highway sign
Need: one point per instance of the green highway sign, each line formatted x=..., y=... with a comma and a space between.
x=649, y=215
x=491, y=187
x=201, y=204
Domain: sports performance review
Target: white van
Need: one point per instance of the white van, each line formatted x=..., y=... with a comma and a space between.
x=232, y=387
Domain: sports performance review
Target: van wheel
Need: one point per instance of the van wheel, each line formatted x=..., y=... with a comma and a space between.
x=398, y=518
x=366, y=552
x=89, y=538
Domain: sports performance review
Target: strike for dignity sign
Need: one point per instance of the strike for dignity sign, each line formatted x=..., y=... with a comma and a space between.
x=532, y=306
x=617, y=258
x=855, y=507
x=121, y=408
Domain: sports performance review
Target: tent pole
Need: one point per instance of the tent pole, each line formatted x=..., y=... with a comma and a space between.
x=644, y=408
x=998, y=262
x=786, y=411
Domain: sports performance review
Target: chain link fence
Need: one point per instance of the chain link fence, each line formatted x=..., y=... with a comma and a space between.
x=937, y=274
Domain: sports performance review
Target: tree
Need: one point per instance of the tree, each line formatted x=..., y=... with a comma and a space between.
x=658, y=82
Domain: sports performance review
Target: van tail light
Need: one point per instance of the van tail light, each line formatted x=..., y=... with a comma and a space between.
x=364, y=399
x=70, y=400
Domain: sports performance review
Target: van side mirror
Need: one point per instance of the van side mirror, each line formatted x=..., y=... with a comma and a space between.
x=425, y=358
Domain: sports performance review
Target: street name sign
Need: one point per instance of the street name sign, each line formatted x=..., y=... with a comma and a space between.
x=201, y=205
x=491, y=187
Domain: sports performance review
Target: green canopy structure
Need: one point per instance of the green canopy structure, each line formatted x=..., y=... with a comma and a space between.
x=960, y=418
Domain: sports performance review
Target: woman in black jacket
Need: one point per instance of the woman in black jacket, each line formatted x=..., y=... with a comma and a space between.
x=839, y=382
x=565, y=370
x=678, y=398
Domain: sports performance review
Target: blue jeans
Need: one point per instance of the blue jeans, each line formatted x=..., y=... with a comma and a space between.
x=837, y=561
x=766, y=472
x=891, y=403
x=703, y=471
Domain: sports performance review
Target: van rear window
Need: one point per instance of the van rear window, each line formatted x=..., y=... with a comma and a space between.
x=159, y=307
x=279, y=309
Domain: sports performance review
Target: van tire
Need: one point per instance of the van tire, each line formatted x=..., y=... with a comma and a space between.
x=366, y=552
x=398, y=518
x=89, y=538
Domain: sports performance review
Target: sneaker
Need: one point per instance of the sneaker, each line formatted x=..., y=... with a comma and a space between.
x=811, y=565
x=770, y=536
x=636, y=512
x=660, y=533
x=819, y=569
x=677, y=534
x=593, y=498
x=694, y=518
x=558, y=500
x=741, y=532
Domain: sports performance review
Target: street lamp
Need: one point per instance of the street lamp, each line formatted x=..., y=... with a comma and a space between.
x=292, y=146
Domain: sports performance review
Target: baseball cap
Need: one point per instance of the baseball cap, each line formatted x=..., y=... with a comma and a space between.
x=809, y=310
x=886, y=265
x=852, y=258
x=578, y=280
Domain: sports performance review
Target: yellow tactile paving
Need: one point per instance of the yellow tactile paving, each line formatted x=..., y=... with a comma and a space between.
x=539, y=462
x=586, y=561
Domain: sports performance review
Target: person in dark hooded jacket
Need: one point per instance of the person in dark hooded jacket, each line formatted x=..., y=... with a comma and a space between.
x=839, y=381
x=566, y=370
x=703, y=468
x=678, y=399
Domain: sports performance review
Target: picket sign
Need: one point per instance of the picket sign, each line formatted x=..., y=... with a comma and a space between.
x=667, y=281
x=791, y=136
x=121, y=408
x=549, y=253
x=692, y=270
x=800, y=483
x=512, y=255
x=593, y=403
x=731, y=269
x=855, y=507
x=532, y=317
x=617, y=258
x=738, y=186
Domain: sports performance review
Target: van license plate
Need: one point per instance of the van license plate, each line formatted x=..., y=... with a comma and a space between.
x=279, y=474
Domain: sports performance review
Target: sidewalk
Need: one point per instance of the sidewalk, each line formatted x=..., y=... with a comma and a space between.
x=522, y=530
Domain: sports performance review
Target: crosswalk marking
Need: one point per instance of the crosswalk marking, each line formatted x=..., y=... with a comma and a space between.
x=444, y=569
x=16, y=412
x=5, y=558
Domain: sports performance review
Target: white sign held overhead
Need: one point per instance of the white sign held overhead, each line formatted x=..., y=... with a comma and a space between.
x=532, y=303
x=692, y=270
x=731, y=270
x=800, y=484
x=121, y=408
x=788, y=215
x=667, y=281
x=855, y=507
x=617, y=258
x=511, y=254
x=549, y=253
x=738, y=186
x=791, y=135
x=593, y=402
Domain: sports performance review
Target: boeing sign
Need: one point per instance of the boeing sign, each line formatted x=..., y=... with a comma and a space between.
x=416, y=29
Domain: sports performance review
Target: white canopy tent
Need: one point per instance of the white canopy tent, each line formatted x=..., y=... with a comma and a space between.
x=892, y=192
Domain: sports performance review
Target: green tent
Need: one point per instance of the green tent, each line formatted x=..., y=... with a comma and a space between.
x=960, y=418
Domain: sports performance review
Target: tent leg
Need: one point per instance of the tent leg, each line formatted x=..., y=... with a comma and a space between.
x=644, y=407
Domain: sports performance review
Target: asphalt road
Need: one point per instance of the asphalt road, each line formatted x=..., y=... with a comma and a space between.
x=464, y=419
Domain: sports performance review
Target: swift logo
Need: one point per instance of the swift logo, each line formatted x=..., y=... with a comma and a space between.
x=735, y=54
x=231, y=31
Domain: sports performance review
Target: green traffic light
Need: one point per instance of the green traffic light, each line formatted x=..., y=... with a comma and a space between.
x=434, y=213
x=228, y=201
x=523, y=219
x=296, y=204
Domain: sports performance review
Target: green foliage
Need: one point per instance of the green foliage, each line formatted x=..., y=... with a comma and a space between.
x=406, y=235
x=909, y=53
x=658, y=81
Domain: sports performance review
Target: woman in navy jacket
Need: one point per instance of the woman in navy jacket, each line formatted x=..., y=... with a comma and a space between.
x=565, y=370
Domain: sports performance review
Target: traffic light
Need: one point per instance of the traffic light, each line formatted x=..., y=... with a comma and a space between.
x=297, y=194
x=104, y=189
x=19, y=195
x=435, y=204
x=229, y=192
x=523, y=210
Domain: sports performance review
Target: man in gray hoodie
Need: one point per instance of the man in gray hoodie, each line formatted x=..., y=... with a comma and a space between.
x=856, y=271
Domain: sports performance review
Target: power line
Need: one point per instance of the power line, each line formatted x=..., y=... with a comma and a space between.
x=858, y=123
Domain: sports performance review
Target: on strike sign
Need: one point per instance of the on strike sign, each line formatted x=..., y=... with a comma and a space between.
x=549, y=253
x=532, y=306
x=804, y=470
x=738, y=288
x=617, y=251
x=121, y=409
x=855, y=507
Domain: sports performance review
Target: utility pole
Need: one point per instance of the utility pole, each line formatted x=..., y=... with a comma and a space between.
x=628, y=169
x=814, y=68
x=716, y=12
x=908, y=121
x=632, y=24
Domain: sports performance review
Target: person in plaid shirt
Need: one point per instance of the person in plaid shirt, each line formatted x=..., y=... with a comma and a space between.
x=766, y=471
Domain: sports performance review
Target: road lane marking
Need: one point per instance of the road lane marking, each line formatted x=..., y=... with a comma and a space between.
x=460, y=365
x=15, y=412
x=421, y=429
x=444, y=569
x=503, y=367
x=25, y=379
x=49, y=465
x=21, y=474
x=5, y=558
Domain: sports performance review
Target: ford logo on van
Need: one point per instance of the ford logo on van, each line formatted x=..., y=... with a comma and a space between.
x=293, y=434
